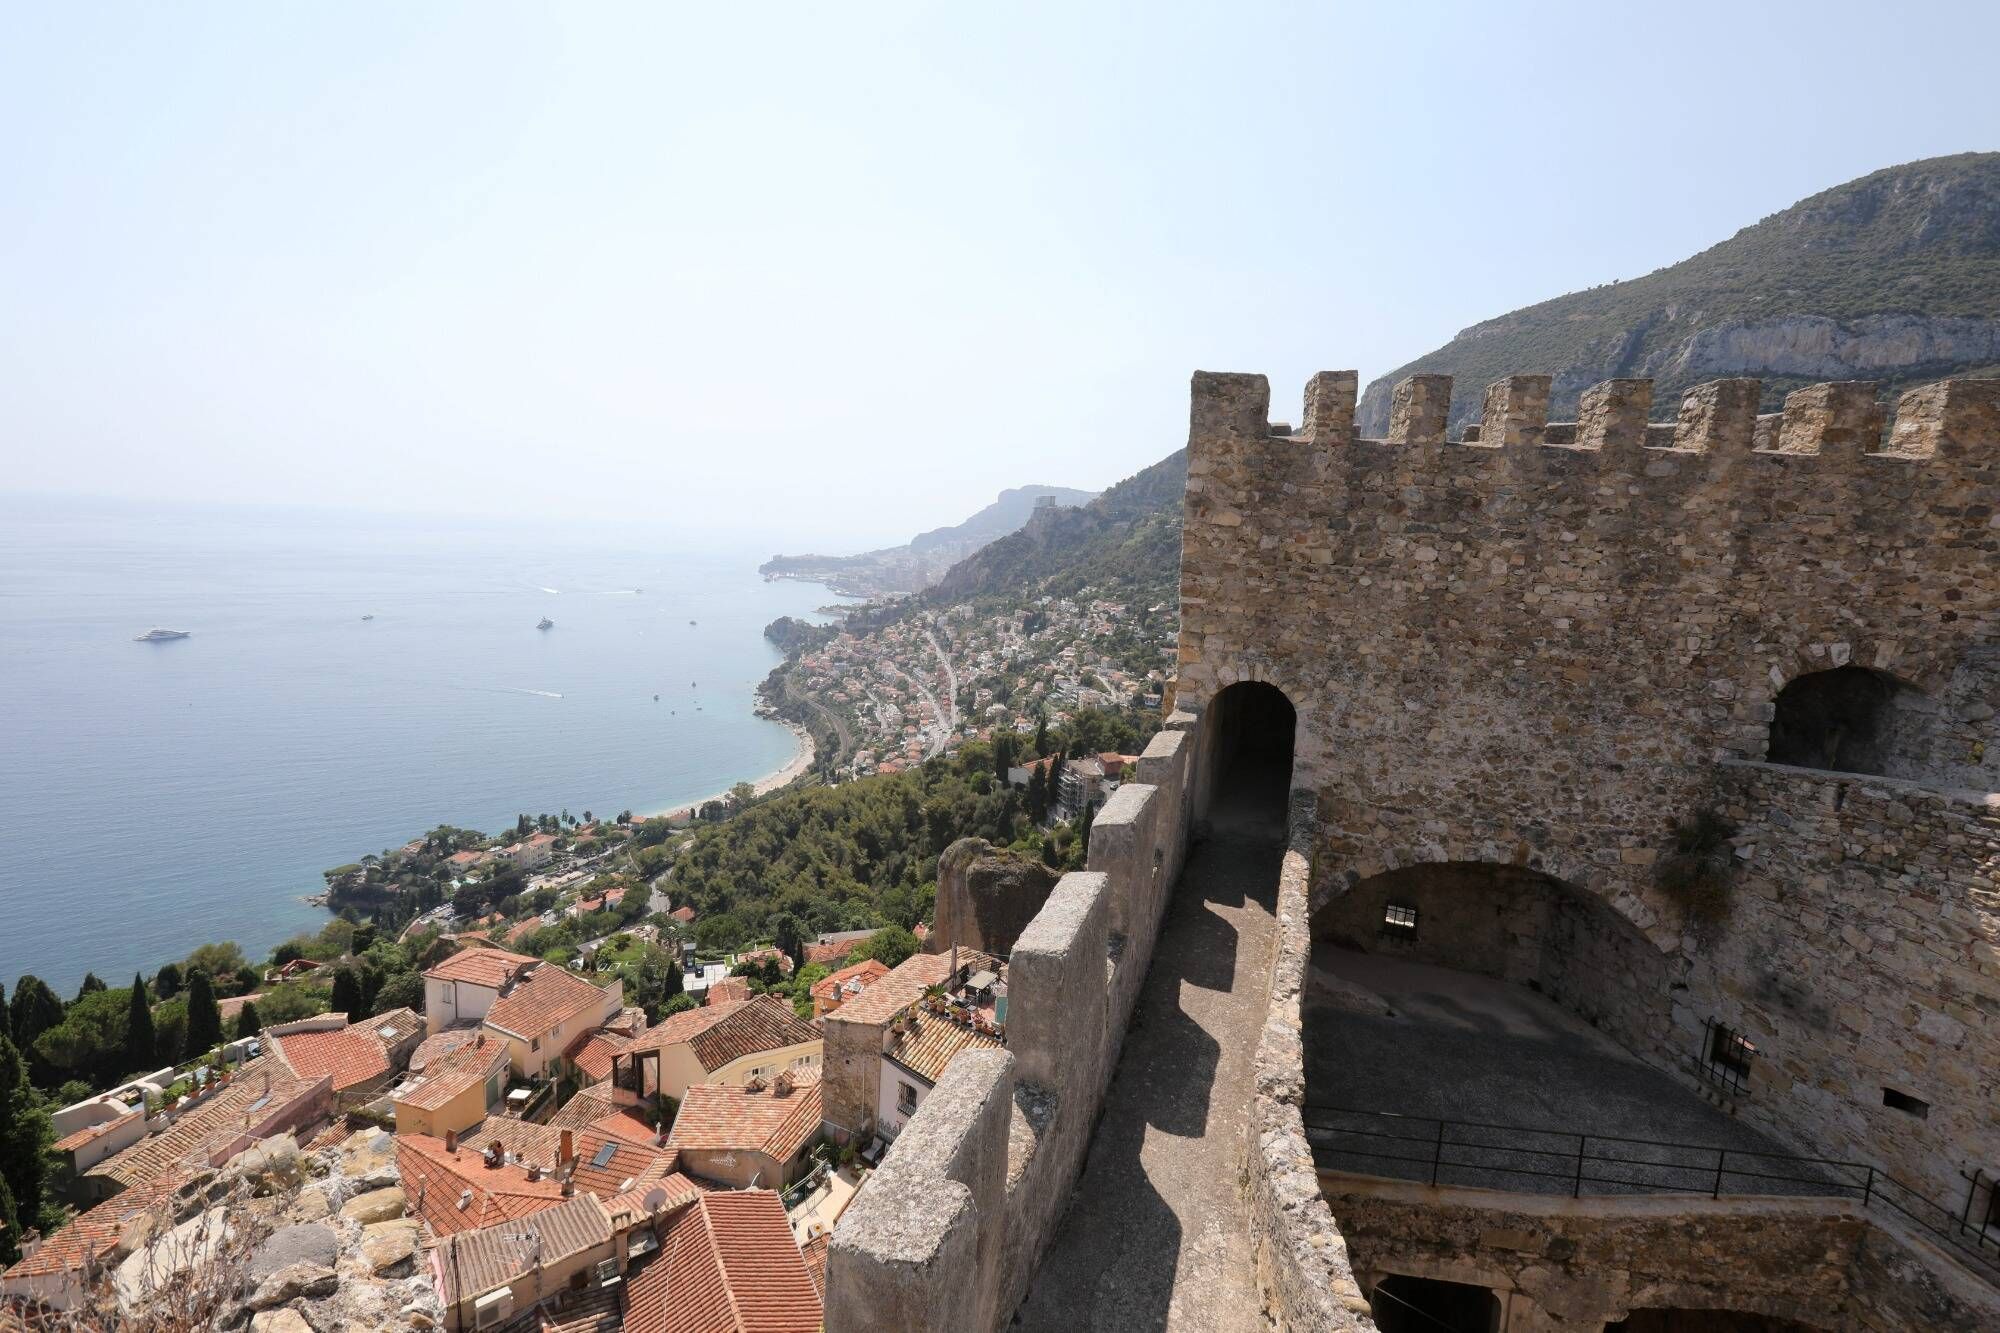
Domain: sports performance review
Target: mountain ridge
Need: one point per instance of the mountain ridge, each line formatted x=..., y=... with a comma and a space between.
x=1893, y=276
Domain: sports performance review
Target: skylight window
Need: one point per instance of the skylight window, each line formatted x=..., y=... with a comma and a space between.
x=604, y=1156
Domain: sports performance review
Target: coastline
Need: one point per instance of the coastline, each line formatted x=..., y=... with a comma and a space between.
x=791, y=771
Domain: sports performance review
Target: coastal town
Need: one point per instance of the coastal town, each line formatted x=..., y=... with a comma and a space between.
x=916, y=687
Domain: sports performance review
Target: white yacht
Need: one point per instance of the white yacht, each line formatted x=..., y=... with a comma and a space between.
x=161, y=635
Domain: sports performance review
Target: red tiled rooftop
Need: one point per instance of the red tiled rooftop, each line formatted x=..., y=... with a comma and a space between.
x=541, y=1002
x=454, y=1072
x=591, y=1053
x=727, y=991
x=351, y=1056
x=730, y=1031
x=436, y=1181
x=90, y=1133
x=481, y=967
x=721, y=1117
x=726, y=1264
x=867, y=972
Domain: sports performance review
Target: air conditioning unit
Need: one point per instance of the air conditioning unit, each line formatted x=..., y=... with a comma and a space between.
x=493, y=1308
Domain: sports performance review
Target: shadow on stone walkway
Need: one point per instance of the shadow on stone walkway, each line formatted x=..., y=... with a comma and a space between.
x=1158, y=1232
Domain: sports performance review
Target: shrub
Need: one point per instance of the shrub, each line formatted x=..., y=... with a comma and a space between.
x=1700, y=871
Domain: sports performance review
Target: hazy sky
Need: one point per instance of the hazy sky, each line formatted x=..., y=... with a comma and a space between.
x=841, y=273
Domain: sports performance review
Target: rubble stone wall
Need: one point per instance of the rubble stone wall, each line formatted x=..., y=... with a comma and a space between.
x=950, y=1230
x=1575, y=1264
x=1538, y=653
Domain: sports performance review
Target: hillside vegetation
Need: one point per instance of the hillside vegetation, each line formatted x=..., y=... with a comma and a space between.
x=1895, y=276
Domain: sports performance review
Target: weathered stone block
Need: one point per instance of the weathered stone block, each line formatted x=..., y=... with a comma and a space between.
x=1949, y=419
x=1330, y=397
x=1514, y=411
x=1718, y=415
x=1418, y=408
x=1055, y=987
x=1842, y=418
x=1612, y=415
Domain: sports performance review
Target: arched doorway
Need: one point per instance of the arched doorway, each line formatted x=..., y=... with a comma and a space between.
x=1849, y=720
x=1245, y=775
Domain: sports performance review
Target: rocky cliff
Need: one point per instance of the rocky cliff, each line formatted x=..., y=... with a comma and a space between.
x=1893, y=277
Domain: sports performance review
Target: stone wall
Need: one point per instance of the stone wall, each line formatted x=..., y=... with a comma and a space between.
x=1576, y=1264
x=1542, y=650
x=986, y=897
x=950, y=1230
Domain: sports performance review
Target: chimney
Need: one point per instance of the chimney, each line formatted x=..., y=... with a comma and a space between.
x=451, y=1140
x=568, y=1149
x=534, y=1171
x=495, y=1154
x=479, y=1041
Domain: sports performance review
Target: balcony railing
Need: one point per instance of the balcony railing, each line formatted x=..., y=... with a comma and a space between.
x=1554, y=1161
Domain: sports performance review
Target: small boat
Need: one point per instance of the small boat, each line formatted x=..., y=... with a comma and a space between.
x=694, y=622
x=546, y=623
x=656, y=698
x=368, y=617
x=161, y=635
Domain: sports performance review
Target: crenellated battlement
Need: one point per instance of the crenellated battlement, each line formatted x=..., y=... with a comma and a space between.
x=1951, y=419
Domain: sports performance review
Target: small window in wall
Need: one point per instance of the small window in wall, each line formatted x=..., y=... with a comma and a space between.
x=1727, y=1055
x=1904, y=1102
x=1399, y=921
x=906, y=1098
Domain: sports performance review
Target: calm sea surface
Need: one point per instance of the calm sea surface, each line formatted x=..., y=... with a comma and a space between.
x=154, y=796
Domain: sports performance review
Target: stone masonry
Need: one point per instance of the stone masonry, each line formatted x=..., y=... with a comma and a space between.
x=1538, y=652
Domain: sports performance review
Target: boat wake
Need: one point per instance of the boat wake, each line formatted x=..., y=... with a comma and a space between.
x=544, y=694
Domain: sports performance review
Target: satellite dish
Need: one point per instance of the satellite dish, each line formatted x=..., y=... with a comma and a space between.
x=655, y=1199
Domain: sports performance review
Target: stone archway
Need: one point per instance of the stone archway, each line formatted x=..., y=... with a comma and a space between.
x=1243, y=771
x=1848, y=719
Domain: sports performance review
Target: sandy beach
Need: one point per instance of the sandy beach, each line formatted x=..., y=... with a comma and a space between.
x=795, y=768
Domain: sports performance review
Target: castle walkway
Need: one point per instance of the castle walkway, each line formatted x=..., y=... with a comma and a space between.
x=1158, y=1234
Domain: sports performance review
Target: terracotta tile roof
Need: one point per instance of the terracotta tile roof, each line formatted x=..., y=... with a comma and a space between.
x=394, y=1026
x=833, y=949
x=522, y=1138
x=900, y=987
x=927, y=1045
x=97, y=1230
x=351, y=1056
x=721, y=1033
x=628, y=1125
x=727, y=1264
x=481, y=967
x=607, y=1164
x=434, y=1181
x=440, y=1044
x=520, y=930
x=541, y=1002
x=589, y=1105
x=451, y=1074
x=814, y=1253
x=863, y=974
x=720, y=1117
x=683, y=914
x=91, y=1133
x=591, y=1053
x=476, y=1262
x=728, y=990
x=258, y=1092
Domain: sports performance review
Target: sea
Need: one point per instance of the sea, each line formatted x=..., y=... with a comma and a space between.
x=348, y=683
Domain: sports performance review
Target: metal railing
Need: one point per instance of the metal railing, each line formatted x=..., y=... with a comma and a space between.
x=1542, y=1161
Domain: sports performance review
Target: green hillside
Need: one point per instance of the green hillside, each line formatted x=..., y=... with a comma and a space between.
x=1895, y=276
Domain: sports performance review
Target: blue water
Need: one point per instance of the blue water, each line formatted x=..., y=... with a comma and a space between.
x=154, y=796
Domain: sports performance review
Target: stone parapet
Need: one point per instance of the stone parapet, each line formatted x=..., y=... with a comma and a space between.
x=997, y=1147
x=1302, y=1264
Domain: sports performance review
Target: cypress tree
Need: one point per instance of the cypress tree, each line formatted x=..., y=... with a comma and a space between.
x=141, y=1041
x=247, y=1022
x=347, y=995
x=10, y=1226
x=1041, y=735
x=24, y=1141
x=34, y=1010
x=204, y=1030
x=6, y=1019
x=167, y=981
x=91, y=985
